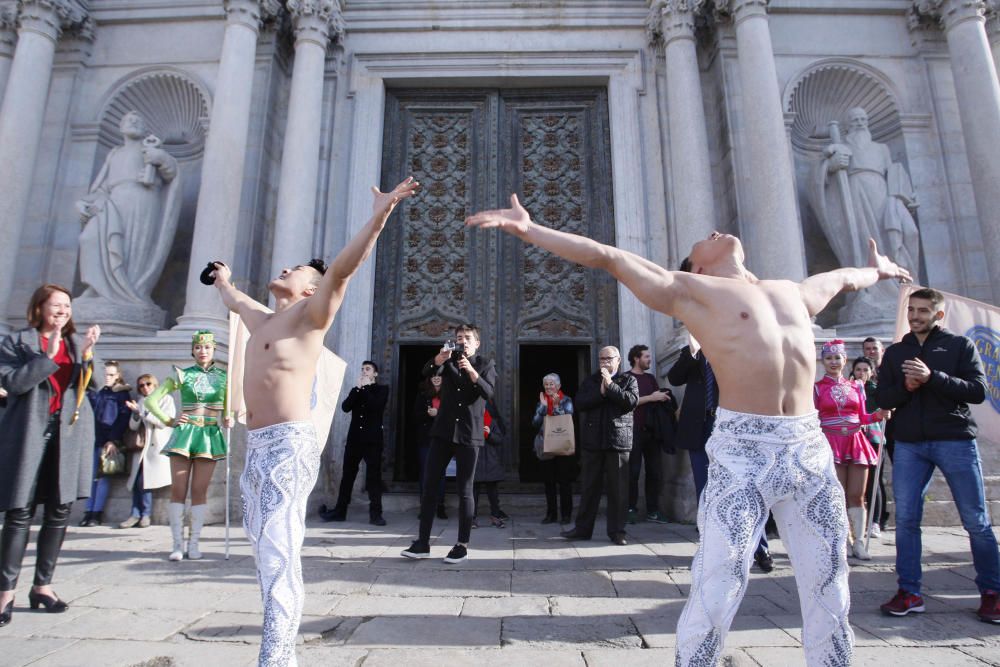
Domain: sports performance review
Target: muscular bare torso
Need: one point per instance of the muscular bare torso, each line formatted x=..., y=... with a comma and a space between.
x=759, y=340
x=280, y=368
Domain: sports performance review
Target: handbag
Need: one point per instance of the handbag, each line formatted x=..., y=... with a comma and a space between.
x=134, y=440
x=559, y=437
x=540, y=448
x=112, y=462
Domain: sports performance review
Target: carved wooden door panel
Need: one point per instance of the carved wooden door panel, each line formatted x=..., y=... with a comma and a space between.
x=470, y=149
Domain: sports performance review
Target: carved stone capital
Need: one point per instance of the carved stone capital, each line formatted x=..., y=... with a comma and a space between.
x=317, y=21
x=8, y=28
x=251, y=13
x=993, y=19
x=738, y=10
x=50, y=17
x=673, y=19
x=947, y=13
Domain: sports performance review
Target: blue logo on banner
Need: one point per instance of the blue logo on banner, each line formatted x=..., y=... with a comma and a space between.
x=987, y=341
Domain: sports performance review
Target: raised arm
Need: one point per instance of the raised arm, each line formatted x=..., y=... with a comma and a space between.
x=252, y=312
x=817, y=291
x=323, y=305
x=668, y=292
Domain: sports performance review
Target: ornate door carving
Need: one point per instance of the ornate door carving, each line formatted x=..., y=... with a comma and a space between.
x=470, y=149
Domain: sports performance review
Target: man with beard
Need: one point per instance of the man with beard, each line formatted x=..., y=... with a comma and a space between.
x=767, y=451
x=282, y=454
x=930, y=377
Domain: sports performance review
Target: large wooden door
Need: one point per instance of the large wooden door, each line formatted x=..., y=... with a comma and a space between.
x=470, y=149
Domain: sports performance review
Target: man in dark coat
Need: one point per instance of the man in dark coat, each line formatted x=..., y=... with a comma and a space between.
x=366, y=404
x=605, y=403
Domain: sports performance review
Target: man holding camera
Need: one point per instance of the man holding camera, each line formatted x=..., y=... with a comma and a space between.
x=467, y=382
x=366, y=403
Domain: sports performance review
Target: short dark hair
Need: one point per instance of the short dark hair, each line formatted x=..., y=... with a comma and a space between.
x=369, y=362
x=686, y=264
x=635, y=352
x=470, y=328
x=863, y=360
x=935, y=297
x=872, y=339
x=319, y=265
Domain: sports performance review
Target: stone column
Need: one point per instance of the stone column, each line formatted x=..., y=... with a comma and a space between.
x=21, y=115
x=8, y=38
x=690, y=163
x=771, y=224
x=314, y=22
x=978, y=93
x=217, y=219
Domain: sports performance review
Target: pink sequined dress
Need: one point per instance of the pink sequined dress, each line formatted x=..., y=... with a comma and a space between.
x=841, y=405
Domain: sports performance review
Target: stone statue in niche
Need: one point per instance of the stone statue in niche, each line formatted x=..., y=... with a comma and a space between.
x=857, y=192
x=129, y=219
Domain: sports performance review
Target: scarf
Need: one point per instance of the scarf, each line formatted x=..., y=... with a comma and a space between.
x=552, y=404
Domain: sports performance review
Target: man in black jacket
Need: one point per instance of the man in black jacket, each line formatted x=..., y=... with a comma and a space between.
x=605, y=403
x=366, y=403
x=467, y=382
x=929, y=378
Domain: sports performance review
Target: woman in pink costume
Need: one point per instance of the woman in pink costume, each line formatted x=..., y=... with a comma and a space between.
x=841, y=405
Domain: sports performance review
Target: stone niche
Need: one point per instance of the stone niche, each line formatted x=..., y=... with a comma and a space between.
x=841, y=208
x=175, y=106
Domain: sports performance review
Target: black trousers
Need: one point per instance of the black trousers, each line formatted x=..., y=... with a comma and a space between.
x=17, y=520
x=558, y=474
x=645, y=449
x=438, y=456
x=602, y=470
x=371, y=454
x=492, y=493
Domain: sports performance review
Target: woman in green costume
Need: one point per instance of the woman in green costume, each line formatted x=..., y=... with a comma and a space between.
x=197, y=442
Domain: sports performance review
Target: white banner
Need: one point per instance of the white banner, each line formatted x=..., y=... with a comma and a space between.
x=980, y=322
x=330, y=370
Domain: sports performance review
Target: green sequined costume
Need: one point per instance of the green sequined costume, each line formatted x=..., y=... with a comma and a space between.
x=200, y=437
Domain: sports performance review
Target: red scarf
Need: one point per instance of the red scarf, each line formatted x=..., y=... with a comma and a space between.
x=552, y=404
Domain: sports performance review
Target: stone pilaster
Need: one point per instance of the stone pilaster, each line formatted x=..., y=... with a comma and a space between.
x=40, y=24
x=673, y=23
x=771, y=230
x=217, y=219
x=978, y=94
x=315, y=23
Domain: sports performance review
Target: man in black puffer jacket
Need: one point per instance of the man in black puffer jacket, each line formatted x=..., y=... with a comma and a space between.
x=605, y=403
x=929, y=379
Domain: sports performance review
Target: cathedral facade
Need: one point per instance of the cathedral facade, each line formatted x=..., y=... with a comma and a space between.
x=804, y=127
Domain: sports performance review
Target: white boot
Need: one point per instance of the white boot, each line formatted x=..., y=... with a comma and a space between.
x=197, y=521
x=856, y=515
x=176, y=513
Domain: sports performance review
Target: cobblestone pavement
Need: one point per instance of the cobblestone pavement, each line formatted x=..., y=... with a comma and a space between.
x=525, y=597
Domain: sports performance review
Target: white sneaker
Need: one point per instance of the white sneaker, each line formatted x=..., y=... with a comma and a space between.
x=875, y=532
x=177, y=554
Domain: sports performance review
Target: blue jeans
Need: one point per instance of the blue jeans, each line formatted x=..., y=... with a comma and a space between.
x=958, y=461
x=100, y=487
x=142, y=499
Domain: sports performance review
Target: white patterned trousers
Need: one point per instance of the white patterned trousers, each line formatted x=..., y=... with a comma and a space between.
x=281, y=468
x=781, y=464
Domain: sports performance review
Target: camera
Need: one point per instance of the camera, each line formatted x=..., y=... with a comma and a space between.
x=449, y=345
x=459, y=350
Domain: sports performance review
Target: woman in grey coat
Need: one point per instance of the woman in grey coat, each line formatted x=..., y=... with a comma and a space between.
x=46, y=439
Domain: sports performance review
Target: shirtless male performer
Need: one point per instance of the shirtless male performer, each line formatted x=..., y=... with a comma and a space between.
x=282, y=459
x=767, y=451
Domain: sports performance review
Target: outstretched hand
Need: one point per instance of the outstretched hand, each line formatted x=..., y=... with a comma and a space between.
x=886, y=267
x=384, y=202
x=514, y=220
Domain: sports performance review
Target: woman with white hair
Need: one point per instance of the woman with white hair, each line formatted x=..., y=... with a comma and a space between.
x=558, y=472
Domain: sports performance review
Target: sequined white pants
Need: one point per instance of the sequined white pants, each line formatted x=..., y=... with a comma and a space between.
x=281, y=468
x=781, y=464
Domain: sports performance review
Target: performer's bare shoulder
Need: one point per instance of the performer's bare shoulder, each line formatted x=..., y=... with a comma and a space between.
x=284, y=345
x=757, y=333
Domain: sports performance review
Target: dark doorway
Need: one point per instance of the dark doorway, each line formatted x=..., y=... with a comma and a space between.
x=411, y=361
x=571, y=363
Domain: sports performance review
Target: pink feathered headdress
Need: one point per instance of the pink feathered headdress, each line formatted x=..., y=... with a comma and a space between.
x=834, y=347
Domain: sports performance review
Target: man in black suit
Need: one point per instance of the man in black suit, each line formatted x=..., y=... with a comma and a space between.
x=467, y=382
x=366, y=403
x=701, y=401
x=605, y=403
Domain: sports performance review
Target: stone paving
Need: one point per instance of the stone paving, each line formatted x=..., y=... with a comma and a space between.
x=525, y=597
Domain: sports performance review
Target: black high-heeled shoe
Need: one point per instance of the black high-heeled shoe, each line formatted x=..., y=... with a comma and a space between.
x=53, y=605
x=7, y=614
